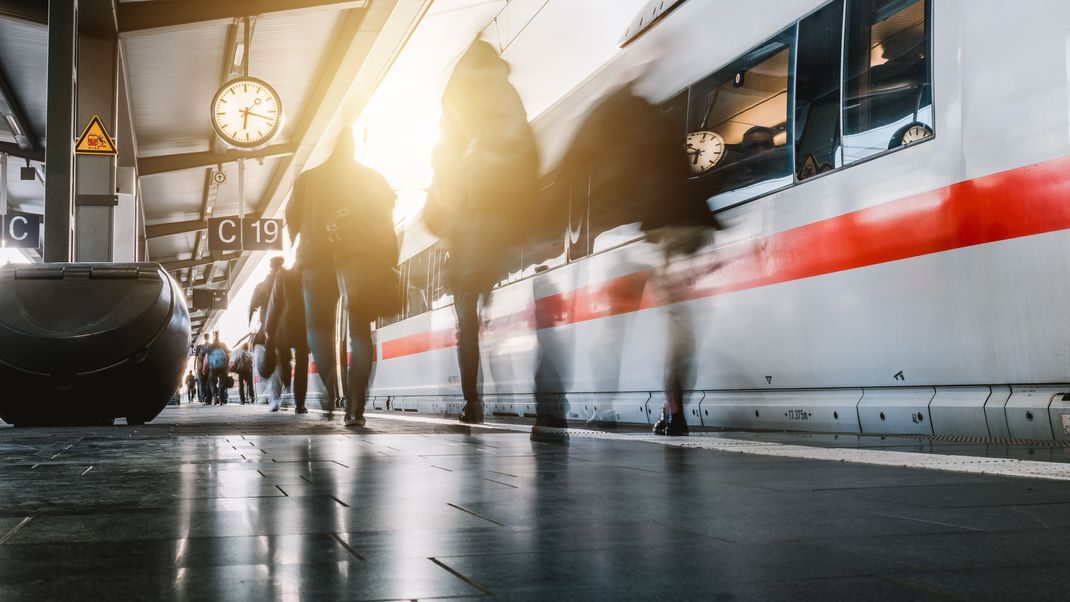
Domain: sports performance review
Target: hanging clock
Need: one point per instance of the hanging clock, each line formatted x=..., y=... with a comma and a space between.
x=910, y=133
x=704, y=151
x=246, y=112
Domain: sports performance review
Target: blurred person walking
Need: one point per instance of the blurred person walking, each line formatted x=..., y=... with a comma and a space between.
x=482, y=199
x=191, y=386
x=343, y=212
x=216, y=361
x=286, y=339
x=204, y=392
x=242, y=365
x=648, y=177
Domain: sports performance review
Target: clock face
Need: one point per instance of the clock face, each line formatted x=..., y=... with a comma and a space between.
x=246, y=112
x=918, y=131
x=704, y=151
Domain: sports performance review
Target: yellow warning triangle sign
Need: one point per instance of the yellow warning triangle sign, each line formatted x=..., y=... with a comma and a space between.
x=95, y=140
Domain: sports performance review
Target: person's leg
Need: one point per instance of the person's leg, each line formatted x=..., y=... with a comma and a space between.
x=300, y=378
x=361, y=354
x=466, y=305
x=321, y=301
x=248, y=376
x=241, y=388
x=214, y=384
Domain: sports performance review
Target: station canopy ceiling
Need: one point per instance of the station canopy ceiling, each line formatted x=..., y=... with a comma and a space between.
x=323, y=57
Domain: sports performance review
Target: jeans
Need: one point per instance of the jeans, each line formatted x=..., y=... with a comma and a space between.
x=245, y=383
x=323, y=285
x=216, y=376
x=204, y=392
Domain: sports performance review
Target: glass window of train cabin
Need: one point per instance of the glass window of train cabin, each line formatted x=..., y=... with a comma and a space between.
x=738, y=125
x=416, y=272
x=817, y=92
x=888, y=82
x=440, y=292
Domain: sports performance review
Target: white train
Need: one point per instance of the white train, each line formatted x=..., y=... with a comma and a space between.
x=897, y=258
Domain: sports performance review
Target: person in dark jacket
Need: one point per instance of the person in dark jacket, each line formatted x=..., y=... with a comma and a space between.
x=242, y=365
x=286, y=336
x=343, y=212
x=483, y=195
x=191, y=386
x=262, y=292
x=204, y=392
x=645, y=172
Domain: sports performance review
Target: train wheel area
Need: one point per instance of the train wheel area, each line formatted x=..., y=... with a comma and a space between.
x=234, y=502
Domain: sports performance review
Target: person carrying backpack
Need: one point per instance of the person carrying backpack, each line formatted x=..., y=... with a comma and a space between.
x=482, y=198
x=343, y=212
x=215, y=365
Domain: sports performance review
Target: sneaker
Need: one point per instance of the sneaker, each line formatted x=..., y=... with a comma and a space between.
x=301, y=410
x=355, y=420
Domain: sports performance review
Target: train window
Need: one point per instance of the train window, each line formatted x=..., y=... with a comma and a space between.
x=440, y=291
x=817, y=92
x=738, y=125
x=888, y=81
x=416, y=272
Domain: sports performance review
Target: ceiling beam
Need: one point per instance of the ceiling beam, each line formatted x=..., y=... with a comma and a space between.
x=15, y=150
x=147, y=166
x=172, y=228
x=180, y=264
x=34, y=11
x=135, y=16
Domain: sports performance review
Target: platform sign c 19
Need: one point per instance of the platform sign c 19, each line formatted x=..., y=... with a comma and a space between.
x=22, y=230
x=234, y=234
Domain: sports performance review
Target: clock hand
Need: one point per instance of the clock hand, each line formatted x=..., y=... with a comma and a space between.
x=247, y=113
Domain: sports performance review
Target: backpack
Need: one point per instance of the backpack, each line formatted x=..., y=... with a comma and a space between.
x=217, y=359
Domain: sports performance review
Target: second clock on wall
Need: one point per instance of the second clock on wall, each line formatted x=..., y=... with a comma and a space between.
x=246, y=112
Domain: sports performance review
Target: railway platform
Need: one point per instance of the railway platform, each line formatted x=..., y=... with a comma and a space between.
x=233, y=503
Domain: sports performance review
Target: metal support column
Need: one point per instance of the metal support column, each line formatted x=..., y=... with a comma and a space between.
x=59, y=133
x=95, y=192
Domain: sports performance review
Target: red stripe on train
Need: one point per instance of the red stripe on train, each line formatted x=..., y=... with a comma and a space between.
x=1020, y=202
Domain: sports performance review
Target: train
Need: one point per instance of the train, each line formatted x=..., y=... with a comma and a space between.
x=894, y=178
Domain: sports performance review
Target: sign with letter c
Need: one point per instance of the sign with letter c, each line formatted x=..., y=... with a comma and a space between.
x=22, y=231
x=224, y=234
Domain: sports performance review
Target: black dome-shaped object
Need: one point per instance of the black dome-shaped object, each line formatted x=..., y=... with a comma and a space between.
x=85, y=343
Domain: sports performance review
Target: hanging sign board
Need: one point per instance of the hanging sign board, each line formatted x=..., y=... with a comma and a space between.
x=224, y=234
x=234, y=234
x=22, y=230
x=209, y=298
x=95, y=140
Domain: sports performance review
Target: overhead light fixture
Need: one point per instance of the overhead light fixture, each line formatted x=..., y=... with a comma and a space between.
x=13, y=125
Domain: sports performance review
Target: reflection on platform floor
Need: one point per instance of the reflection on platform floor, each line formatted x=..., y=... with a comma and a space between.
x=233, y=503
